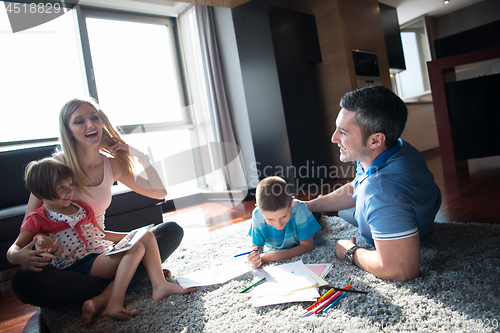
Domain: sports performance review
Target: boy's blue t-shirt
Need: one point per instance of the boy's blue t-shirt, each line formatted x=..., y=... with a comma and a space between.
x=301, y=227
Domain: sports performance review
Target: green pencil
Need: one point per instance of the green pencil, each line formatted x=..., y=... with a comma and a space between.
x=253, y=285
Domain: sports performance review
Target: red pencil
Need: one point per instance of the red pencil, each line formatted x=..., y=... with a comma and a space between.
x=325, y=297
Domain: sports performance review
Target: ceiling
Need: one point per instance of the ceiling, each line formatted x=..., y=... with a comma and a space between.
x=411, y=9
x=407, y=9
x=154, y=7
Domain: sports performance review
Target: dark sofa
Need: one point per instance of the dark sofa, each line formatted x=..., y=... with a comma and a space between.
x=128, y=210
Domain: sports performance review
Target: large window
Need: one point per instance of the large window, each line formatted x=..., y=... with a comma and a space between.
x=39, y=71
x=129, y=63
x=414, y=81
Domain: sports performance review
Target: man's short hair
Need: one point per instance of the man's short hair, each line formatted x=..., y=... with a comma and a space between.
x=378, y=110
x=42, y=177
x=272, y=194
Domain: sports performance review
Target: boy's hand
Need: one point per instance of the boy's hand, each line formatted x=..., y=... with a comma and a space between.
x=254, y=258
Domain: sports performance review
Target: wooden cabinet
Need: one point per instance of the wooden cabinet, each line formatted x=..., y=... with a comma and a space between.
x=342, y=25
x=277, y=48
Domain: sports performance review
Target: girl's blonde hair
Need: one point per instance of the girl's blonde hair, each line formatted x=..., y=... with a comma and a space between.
x=110, y=136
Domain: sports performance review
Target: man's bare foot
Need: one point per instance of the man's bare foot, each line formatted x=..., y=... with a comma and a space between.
x=163, y=290
x=166, y=273
x=94, y=306
x=119, y=313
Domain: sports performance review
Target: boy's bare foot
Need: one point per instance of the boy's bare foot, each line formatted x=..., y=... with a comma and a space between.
x=119, y=313
x=165, y=289
x=94, y=306
x=166, y=273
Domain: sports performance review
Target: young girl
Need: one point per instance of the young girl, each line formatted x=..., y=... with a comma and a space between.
x=76, y=242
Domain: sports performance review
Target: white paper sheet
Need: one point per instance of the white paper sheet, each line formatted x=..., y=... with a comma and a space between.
x=306, y=295
x=216, y=275
x=282, y=279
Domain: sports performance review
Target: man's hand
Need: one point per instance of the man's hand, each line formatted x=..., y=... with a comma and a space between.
x=343, y=245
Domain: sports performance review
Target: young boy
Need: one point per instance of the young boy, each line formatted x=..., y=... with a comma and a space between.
x=280, y=221
x=67, y=232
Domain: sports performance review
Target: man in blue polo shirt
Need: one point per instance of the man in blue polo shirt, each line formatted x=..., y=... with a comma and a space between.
x=393, y=198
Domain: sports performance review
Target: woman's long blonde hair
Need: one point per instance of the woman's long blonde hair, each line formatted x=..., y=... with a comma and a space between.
x=110, y=136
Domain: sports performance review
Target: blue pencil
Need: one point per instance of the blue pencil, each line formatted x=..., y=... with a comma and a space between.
x=242, y=254
x=334, y=302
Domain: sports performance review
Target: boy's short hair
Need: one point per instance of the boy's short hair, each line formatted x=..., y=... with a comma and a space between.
x=42, y=177
x=272, y=194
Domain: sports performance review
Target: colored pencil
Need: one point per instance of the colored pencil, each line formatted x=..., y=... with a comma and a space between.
x=321, y=299
x=350, y=290
x=327, y=302
x=242, y=254
x=325, y=296
x=253, y=285
x=333, y=304
x=324, y=301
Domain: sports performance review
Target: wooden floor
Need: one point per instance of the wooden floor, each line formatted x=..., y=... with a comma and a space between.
x=471, y=195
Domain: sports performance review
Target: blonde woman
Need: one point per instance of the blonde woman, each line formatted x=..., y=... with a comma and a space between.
x=86, y=133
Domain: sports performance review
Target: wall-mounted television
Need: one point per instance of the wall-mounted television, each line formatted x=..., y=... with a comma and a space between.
x=365, y=63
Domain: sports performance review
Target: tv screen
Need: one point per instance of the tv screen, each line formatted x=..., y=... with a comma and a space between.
x=365, y=63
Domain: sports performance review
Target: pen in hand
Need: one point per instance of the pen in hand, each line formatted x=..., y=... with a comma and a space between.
x=242, y=254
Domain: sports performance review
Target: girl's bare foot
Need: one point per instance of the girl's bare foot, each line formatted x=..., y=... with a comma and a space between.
x=94, y=306
x=165, y=289
x=118, y=312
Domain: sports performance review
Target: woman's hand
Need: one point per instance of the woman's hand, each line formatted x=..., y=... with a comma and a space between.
x=147, y=183
x=33, y=259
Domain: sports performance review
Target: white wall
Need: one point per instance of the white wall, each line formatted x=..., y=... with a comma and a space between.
x=420, y=130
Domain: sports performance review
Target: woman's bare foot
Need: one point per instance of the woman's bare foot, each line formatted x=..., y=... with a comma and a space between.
x=166, y=273
x=94, y=306
x=118, y=312
x=165, y=289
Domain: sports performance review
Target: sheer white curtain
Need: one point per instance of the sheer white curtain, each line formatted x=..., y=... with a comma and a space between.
x=209, y=107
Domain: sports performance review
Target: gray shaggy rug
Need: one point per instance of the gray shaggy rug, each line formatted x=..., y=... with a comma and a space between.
x=458, y=289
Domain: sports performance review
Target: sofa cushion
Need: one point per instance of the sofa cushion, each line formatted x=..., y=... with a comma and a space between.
x=131, y=220
x=10, y=222
x=12, y=165
x=126, y=200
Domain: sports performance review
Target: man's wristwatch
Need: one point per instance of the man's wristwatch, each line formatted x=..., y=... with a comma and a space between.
x=348, y=256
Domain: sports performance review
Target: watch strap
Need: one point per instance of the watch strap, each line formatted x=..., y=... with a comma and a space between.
x=348, y=257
